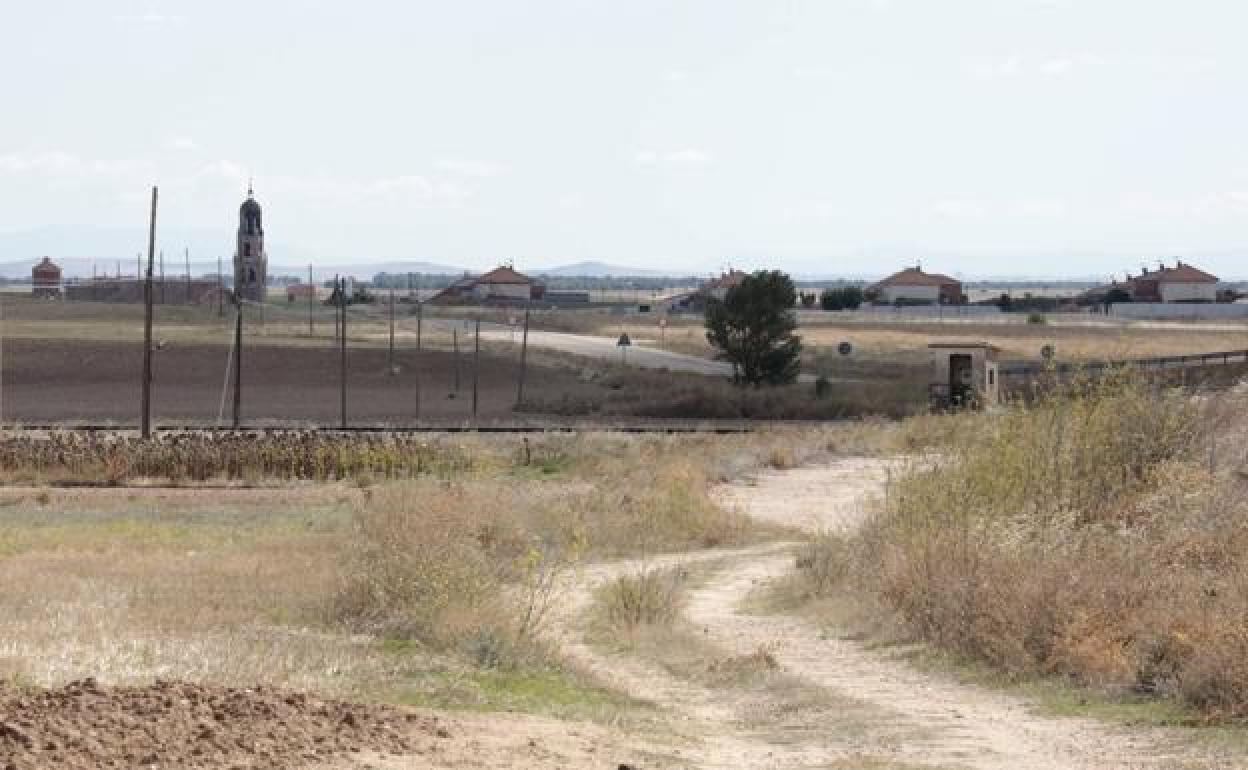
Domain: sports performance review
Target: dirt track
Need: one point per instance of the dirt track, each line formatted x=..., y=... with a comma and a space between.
x=884, y=710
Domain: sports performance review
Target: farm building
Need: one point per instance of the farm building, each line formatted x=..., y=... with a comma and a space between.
x=302, y=291
x=912, y=286
x=45, y=279
x=1181, y=283
x=715, y=288
x=718, y=287
x=500, y=286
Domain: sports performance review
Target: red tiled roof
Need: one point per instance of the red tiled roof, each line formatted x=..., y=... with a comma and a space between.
x=1182, y=274
x=727, y=280
x=913, y=276
x=504, y=275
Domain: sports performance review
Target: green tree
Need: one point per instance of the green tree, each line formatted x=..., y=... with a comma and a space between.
x=753, y=327
x=846, y=298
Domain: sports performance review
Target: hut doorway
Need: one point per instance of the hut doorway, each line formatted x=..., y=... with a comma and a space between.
x=961, y=379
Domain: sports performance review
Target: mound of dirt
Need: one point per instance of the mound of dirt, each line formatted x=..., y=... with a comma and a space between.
x=178, y=724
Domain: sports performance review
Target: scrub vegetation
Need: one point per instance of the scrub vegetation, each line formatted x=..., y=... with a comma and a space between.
x=1098, y=535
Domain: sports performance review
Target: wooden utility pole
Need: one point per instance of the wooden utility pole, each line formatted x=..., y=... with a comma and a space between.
x=1, y=365
x=311, y=302
x=524, y=353
x=238, y=362
x=476, y=367
x=420, y=307
x=455, y=354
x=147, y=324
x=335, y=299
x=390, y=358
x=342, y=347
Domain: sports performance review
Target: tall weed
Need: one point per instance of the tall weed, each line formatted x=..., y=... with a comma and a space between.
x=1093, y=533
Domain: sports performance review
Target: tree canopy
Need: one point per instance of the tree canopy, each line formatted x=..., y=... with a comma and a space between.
x=753, y=327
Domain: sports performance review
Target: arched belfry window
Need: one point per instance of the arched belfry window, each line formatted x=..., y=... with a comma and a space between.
x=246, y=249
x=251, y=275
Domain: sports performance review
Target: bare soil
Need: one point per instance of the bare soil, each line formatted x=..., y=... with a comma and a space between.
x=176, y=724
x=58, y=380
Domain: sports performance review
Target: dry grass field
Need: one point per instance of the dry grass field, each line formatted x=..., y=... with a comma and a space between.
x=434, y=590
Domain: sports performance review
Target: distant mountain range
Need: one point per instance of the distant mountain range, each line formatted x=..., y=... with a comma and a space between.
x=599, y=270
x=79, y=249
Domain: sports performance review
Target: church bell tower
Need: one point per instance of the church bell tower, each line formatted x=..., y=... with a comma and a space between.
x=250, y=262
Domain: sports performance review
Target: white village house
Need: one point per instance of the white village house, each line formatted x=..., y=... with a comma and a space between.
x=912, y=286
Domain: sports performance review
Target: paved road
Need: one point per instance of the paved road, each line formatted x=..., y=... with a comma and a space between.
x=605, y=348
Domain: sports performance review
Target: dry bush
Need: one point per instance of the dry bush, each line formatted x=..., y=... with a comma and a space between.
x=1101, y=535
x=473, y=564
x=649, y=598
x=286, y=455
x=677, y=395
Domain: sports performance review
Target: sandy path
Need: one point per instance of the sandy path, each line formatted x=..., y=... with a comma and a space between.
x=958, y=724
x=878, y=712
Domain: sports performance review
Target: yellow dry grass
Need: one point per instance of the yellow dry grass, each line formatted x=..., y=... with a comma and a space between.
x=426, y=589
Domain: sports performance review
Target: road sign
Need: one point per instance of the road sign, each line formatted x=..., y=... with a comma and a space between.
x=623, y=341
x=662, y=322
x=1047, y=351
x=844, y=348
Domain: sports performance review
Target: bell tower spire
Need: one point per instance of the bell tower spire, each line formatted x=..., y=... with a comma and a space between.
x=250, y=261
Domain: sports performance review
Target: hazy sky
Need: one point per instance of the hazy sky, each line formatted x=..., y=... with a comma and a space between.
x=1038, y=137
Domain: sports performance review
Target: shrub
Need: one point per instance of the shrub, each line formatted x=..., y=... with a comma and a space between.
x=1086, y=534
x=1037, y=319
x=648, y=598
x=845, y=298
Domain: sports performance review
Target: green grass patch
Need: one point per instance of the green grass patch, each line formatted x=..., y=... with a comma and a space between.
x=545, y=691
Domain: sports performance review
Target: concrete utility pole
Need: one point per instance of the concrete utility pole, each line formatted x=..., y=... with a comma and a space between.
x=162, y=276
x=342, y=346
x=188, y=276
x=147, y=324
x=220, y=290
x=524, y=351
x=238, y=362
